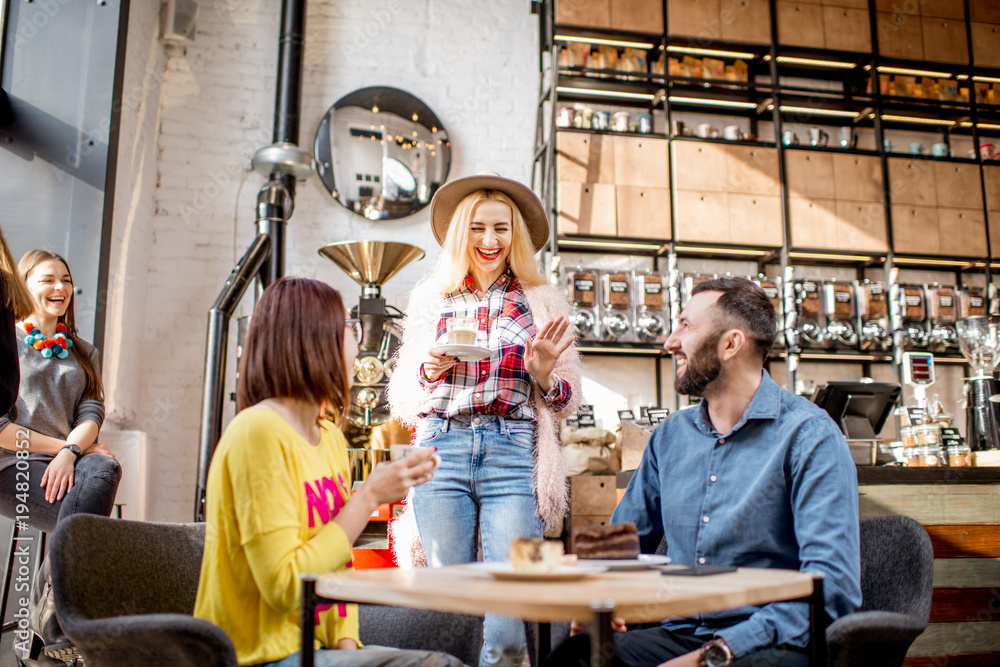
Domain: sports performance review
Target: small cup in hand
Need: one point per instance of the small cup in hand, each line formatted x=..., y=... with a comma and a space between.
x=399, y=452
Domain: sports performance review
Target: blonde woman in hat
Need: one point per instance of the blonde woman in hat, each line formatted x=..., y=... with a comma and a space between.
x=493, y=421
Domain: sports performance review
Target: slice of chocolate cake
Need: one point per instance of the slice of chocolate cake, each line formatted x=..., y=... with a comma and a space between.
x=616, y=541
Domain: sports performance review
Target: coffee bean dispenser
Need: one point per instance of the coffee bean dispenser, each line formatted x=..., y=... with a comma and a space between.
x=941, y=310
x=873, y=316
x=581, y=290
x=914, y=315
x=839, y=312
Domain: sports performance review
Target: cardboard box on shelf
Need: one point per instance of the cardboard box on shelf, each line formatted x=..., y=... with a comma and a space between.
x=713, y=69
x=692, y=67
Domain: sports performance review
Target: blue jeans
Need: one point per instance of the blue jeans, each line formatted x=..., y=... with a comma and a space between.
x=372, y=656
x=95, y=485
x=486, y=481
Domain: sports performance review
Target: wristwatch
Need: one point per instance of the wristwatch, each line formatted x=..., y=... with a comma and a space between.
x=75, y=449
x=716, y=653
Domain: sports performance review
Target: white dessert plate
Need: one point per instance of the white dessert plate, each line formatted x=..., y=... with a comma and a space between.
x=643, y=562
x=505, y=572
x=463, y=352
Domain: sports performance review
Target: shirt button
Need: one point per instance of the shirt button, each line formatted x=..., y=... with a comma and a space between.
x=701, y=561
x=713, y=478
x=705, y=518
x=722, y=441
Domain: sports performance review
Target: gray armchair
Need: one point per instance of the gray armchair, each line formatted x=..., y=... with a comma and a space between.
x=125, y=592
x=897, y=571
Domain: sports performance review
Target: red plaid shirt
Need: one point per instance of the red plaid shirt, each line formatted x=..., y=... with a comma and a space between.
x=499, y=384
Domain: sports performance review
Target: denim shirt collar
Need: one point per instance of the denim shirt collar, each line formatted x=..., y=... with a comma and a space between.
x=765, y=404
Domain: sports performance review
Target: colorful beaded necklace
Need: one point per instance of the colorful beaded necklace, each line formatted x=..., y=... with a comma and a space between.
x=57, y=346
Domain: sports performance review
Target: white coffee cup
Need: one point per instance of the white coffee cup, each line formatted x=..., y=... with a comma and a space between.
x=400, y=452
x=706, y=131
x=732, y=133
x=462, y=330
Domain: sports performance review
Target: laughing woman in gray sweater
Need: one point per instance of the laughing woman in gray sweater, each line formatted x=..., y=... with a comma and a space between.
x=51, y=464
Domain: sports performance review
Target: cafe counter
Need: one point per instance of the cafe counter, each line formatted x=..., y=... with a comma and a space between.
x=960, y=508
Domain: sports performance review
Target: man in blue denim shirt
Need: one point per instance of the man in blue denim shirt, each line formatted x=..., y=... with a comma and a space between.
x=753, y=476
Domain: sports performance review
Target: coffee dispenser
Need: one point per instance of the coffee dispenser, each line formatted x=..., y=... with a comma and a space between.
x=874, y=330
x=808, y=304
x=371, y=264
x=839, y=313
x=979, y=340
x=581, y=291
x=652, y=313
x=772, y=287
x=914, y=315
x=971, y=302
x=941, y=309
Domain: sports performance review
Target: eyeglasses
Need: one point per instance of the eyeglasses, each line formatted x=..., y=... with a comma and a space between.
x=356, y=328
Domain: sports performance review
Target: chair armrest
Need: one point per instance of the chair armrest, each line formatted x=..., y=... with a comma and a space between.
x=871, y=638
x=167, y=640
x=417, y=629
x=874, y=626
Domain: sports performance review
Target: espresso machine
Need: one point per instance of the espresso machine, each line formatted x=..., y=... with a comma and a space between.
x=979, y=340
x=372, y=264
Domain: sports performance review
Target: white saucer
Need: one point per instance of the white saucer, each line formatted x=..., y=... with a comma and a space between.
x=505, y=572
x=643, y=562
x=463, y=352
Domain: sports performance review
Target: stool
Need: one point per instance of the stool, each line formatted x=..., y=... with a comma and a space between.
x=8, y=574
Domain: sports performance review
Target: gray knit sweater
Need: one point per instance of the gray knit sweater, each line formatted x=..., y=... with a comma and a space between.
x=50, y=399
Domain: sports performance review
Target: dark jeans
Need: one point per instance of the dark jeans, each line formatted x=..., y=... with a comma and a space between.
x=95, y=483
x=651, y=646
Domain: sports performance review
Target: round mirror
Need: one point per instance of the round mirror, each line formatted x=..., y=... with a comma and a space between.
x=382, y=153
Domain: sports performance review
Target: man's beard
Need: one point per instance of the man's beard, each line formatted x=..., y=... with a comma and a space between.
x=703, y=367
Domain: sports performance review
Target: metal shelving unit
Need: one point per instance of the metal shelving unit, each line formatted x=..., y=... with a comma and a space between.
x=773, y=93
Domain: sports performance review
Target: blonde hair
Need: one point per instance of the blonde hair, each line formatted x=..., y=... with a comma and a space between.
x=13, y=292
x=457, y=263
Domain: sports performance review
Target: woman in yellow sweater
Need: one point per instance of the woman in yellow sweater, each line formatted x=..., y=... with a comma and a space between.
x=279, y=497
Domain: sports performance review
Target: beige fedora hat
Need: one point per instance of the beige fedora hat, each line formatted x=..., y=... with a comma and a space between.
x=448, y=196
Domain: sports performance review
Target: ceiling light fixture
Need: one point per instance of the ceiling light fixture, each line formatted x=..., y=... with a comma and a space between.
x=830, y=256
x=712, y=103
x=883, y=69
x=612, y=245
x=652, y=352
x=812, y=62
x=986, y=79
x=747, y=252
x=604, y=93
x=603, y=42
x=931, y=262
x=917, y=121
x=690, y=50
x=837, y=113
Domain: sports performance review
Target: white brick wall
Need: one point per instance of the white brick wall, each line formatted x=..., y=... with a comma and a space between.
x=185, y=211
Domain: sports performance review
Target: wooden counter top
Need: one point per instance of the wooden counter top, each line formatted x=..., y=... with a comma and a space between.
x=903, y=475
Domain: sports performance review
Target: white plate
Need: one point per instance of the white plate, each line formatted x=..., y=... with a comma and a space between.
x=463, y=352
x=643, y=562
x=505, y=572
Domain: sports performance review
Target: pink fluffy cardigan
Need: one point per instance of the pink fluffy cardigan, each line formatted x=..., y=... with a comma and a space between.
x=406, y=394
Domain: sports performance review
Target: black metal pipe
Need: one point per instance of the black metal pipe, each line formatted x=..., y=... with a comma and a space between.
x=275, y=203
x=215, y=360
x=266, y=257
x=287, y=112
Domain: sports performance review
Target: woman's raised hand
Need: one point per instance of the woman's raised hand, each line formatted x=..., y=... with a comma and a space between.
x=437, y=365
x=541, y=354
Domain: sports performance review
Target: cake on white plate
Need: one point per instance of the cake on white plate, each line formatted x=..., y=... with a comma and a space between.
x=617, y=541
x=535, y=555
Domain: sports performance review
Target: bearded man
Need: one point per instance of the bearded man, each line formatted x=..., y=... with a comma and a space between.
x=752, y=476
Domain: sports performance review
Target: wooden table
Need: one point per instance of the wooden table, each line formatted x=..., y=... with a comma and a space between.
x=644, y=596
